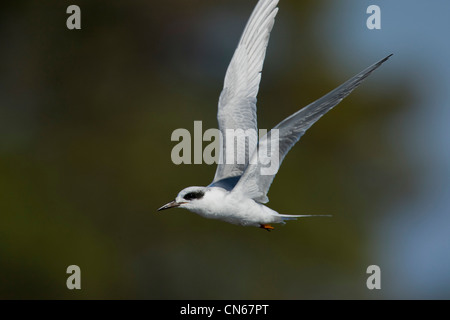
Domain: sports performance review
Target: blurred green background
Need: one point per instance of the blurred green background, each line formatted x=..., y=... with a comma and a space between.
x=86, y=118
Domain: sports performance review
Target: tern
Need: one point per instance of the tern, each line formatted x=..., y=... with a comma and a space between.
x=239, y=190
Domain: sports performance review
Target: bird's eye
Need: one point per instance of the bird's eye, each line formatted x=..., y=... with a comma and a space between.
x=193, y=195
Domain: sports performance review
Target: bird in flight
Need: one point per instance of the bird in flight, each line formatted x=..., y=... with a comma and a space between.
x=239, y=190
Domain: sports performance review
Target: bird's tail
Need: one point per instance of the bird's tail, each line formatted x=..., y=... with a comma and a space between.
x=294, y=217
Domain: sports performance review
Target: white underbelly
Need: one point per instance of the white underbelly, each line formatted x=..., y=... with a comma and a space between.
x=245, y=213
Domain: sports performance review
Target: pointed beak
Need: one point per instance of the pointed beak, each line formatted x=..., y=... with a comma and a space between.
x=172, y=204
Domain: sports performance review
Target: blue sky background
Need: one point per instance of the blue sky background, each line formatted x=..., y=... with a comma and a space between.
x=413, y=240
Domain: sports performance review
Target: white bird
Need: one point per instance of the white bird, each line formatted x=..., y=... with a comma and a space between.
x=239, y=191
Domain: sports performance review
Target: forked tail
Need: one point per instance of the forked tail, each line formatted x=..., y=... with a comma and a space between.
x=294, y=217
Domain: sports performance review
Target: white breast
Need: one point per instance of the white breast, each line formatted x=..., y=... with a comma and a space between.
x=220, y=204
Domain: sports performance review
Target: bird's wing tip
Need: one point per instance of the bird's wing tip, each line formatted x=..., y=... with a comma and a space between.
x=386, y=58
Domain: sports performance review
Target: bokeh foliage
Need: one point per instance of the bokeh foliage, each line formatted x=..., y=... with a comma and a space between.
x=85, y=121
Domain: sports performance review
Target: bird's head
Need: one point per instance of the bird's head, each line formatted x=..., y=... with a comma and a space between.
x=187, y=198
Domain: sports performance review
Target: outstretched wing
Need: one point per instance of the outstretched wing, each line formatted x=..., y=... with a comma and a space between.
x=237, y=102
x=257, y=178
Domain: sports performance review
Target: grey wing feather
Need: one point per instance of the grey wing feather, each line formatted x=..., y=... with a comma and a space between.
x=227, y=183
x=237, y=102
x=254, y=183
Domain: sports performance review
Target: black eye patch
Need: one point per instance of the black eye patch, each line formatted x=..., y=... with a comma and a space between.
x=193, y=195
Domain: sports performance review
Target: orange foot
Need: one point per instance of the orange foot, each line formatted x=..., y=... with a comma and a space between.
x=267, y=227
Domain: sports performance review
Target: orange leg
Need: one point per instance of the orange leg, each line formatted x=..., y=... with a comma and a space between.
x=267, y=227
